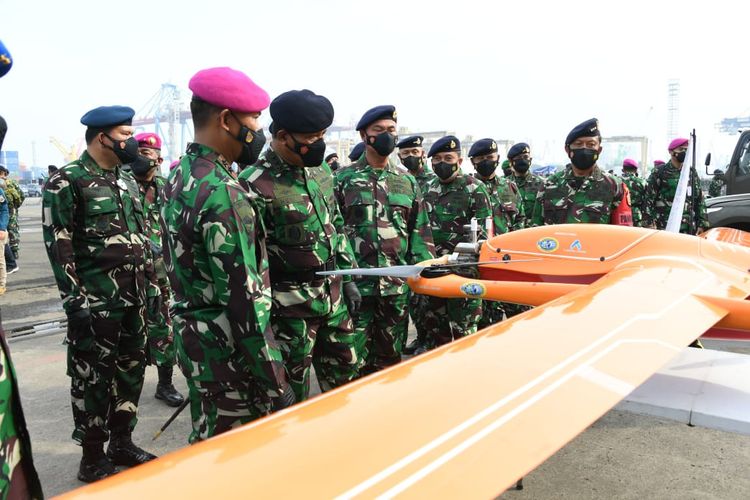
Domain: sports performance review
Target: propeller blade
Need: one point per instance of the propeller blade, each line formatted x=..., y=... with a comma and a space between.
x=393, y=271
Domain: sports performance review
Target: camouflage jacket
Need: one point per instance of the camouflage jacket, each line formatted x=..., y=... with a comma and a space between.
x=641, y=200
x=14, y=194
x=716, y=188
x=663, y=183
x=385, y=221
x=528, y=186
x=452, y=206
x=94, y=231
x=565, y=198
x=305, y=232
x=423, y=177
x=215, y=254
x=507, y=204
x=151, y=200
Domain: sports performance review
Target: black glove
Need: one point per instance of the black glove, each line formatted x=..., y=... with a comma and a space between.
x=153, y=305
x=286, y=400
x=352, y=296
x=79, y=324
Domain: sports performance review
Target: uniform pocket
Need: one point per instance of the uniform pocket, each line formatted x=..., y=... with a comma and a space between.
x=101, y=212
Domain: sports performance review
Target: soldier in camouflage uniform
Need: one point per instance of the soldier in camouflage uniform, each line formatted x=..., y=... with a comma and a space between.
x=95, y=234
x=519, y=158
x=507, y=211
x=160, y=345
x=305, y=235
x=641, y=197
x=452, y=199
x=716, y=188
x=413, y=156
x=215, y=253
x=18, y=477
x=332, y=160
x=582, y=192
x=387, y=226
x=15, y=200
x=663, y=183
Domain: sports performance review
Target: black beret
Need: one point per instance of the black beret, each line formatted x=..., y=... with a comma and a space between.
x=301, y=111
x=483, y=147
x=108, y=116
x=357, y=151
x=589, y=128
x=413, y=141
x=331, y=156
x=377, y=113
x=518, y=148
x=445, y=145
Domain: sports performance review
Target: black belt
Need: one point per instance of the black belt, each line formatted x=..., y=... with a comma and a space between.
x=302, y=276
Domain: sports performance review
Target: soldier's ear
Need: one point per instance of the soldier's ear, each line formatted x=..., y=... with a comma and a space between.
x=460, y=160
x=224, y=119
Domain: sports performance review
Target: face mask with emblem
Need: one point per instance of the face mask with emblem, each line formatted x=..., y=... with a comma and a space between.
x=252, y=144
x=680, y=156
x=521, y=166
x=383, y=143
x=584, y=158
x=412, y=163
x=142, y=165
x=311, y=154
x=126, y=151
x=444, y=170
x=486, y=168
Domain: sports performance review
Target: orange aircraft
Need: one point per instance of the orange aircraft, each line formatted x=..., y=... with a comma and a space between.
x=471, y=417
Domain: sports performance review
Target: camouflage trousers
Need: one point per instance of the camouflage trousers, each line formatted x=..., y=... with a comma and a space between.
x=417, y=304
x=160, y=337
x=216, y=407
x=492, y=312
x=329, y=342
x=14, y=233
x=450, y=319
x=383, y=322
x=106, y=374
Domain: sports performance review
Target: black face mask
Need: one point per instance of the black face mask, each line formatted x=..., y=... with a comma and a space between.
x=142, y=165
x=126, y=151
x=413, y=163
x=334, y=165
x=521, y=166
x=313, y=157
x=252, y=144
x=680, y=157
x=486, y=168
x=507, y=172
x=444, y=170
x=383, y=143
x=584, y=158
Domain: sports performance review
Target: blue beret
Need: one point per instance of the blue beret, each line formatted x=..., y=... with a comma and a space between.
x=589, y=128
x=108, y=116
x=445, y=145
x=301, y=111
x=483, y=147
x=385, y=112
x=6, y=62
x=518, y=148
x=357, y=151
x=413, y=141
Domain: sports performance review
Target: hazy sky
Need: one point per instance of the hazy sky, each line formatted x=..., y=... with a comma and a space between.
x=526, y=70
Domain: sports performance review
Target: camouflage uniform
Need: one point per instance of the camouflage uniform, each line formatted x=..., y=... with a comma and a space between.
x=94, y=232
x=528, y=186
x=565, y=198
x=641, y=199
x=160, y=345
x=716, y=188
x=663, y=183
x=306, y=234
x=15, y=200
x=451, y=206
x=218, y=271
x=18, y=478
x=387, y=225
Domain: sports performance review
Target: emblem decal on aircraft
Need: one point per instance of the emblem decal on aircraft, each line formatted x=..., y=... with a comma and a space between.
x=547, y=244
x=473, y=289
x=576, y=246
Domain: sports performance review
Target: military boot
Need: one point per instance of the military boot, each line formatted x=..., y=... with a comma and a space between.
x=165, y=390
x=122, y=451
x=94, y=465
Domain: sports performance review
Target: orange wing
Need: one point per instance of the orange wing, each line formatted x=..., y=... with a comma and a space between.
x=465, y=420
